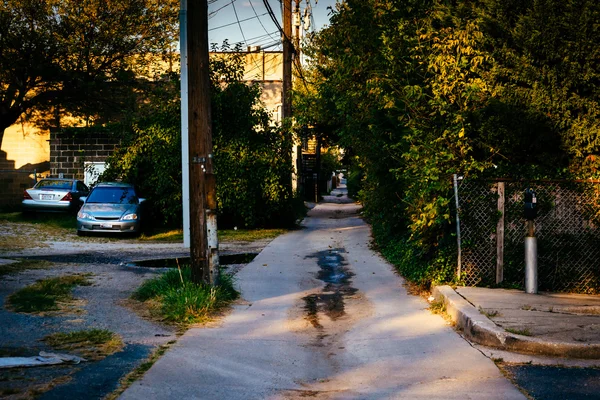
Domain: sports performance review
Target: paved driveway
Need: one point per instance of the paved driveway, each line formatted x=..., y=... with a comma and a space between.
x=103, y=305
x=324, y=317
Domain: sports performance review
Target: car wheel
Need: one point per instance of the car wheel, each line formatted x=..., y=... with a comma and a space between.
x=80, y=233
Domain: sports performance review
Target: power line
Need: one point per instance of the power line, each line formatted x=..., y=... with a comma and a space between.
x=239, y=24
x=212, y=13
x=273, y=17
x=262, y=42
x=259, y=20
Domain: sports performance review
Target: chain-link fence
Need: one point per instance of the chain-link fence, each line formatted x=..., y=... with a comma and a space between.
x=492, y=227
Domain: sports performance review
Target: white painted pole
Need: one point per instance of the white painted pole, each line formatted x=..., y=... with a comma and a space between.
x=459, y=258
x=531, y=267
x=185, y=156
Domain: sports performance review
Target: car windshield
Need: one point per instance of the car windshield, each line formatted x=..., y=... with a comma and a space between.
x=113, y=195
x=53, y=184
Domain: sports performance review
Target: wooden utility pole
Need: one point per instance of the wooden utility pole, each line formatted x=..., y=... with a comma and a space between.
x=203, y=247
x=296, y=22
x=287, y=59
x=286, y=109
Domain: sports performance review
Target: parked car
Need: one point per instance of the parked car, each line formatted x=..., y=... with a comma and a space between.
x=54, y=194
x=111, y=207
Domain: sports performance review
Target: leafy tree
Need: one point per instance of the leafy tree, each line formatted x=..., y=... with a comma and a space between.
x=83, y=57
x=548, y=74
x=249, y=153
x=417, y=91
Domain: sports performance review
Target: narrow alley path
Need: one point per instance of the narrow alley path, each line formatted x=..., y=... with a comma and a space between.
x=324, y=317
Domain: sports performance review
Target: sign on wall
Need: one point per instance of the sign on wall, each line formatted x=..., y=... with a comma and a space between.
x=92, y=170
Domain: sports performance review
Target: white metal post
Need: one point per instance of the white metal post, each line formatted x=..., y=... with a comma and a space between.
x=531, y=268
x=459, y=260
x=185, y=157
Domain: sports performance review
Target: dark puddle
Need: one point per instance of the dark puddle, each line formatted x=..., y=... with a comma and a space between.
x=338, y=285
x=95, y=380
x=224, y=259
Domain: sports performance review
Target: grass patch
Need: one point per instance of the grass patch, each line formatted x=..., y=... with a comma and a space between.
x=176, y=299
x=93, y=344
x=22, y=265
x=490, y=313
x=522, y=332
x=52, y=221
x=175, y=235
x=20, y=232
x=438, y=307
x=248, y=235
x=225, y=235
x=46, y=294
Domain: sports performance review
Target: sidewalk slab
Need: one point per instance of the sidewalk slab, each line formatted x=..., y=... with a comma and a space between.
x=559, y=325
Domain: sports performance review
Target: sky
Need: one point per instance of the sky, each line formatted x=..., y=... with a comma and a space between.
x=255, y=26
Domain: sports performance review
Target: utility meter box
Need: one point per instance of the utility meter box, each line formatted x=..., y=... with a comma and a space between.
x=530, y=204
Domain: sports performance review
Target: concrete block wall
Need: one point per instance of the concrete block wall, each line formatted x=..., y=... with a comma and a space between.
x=70, y=150
x=12, y=184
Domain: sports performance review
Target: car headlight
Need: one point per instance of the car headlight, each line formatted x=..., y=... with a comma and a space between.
x=84, y=215
x=129, y=217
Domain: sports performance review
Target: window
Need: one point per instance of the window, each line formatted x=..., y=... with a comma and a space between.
x=54, y=184
x=113, y=195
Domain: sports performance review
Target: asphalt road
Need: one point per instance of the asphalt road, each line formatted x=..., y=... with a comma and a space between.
x=556, y=383
x=324, y=317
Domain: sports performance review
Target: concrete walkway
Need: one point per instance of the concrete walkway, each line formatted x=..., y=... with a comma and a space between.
x=548, y=324
x=324, y=317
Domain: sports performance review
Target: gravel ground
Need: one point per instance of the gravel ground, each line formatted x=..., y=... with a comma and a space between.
x=103, y=305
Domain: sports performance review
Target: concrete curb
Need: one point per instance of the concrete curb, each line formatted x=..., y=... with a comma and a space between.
x=480, y=329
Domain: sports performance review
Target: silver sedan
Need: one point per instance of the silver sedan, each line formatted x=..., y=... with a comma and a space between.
x=111, y=207
x=54, y=194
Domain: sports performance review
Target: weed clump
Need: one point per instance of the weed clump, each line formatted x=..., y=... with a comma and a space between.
x=93, y=344
x=179, y=300
x=46, y=294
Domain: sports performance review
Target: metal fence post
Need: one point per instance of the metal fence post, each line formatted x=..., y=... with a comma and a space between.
x=459, y=261
x=531, y=260
x=500, y=234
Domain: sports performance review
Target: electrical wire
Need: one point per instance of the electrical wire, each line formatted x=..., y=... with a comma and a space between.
x=273, y=17
x=213, y=13
x=259, y=20
x=239, y=24
x=234, y=23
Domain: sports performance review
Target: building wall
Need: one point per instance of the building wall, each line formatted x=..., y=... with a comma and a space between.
x=12, y=184
x=24, y=155
x=70, y=150
x=266, y=69
x=24, y=147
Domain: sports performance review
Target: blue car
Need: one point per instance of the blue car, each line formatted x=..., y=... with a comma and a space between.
x=111, y=207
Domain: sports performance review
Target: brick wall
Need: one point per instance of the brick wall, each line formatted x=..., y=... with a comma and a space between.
x=70, y=150
x=12, y=183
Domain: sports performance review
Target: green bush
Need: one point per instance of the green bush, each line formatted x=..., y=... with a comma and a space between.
x=252, y=159
x=353, y=182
